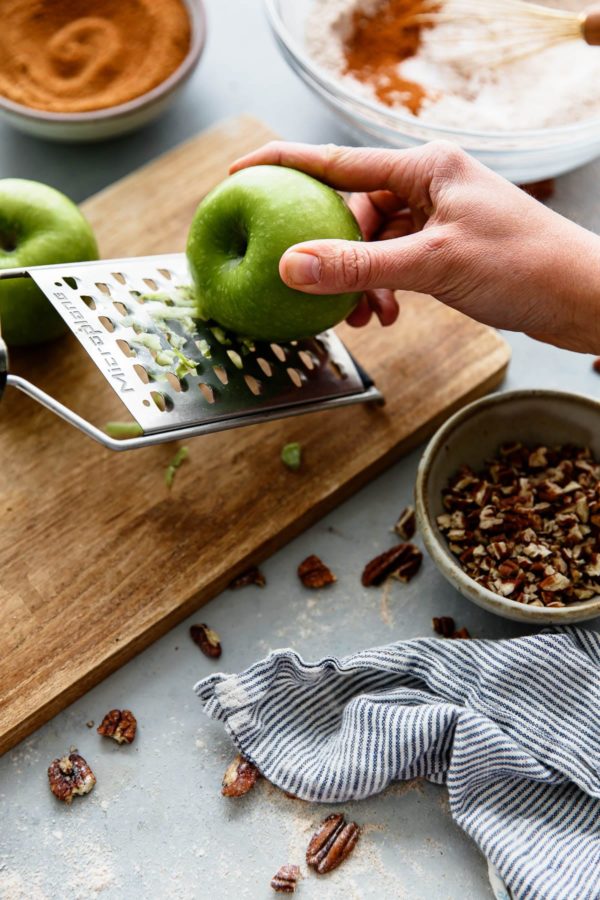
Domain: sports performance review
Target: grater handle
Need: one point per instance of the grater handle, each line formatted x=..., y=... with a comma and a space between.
x=3, y=366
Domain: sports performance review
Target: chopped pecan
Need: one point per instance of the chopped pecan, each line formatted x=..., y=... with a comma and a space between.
x=444, y=625
x=253, y=575
x=332, y=843
x=402, y=561
x=239, y=778
x=406, y=524
x=555, y=582
x=462, y=633
x=207, y=639
x=313, y=573
x=70, y=776
x=596, y=365
x=528, y=525
x=119, y=724
x=286, y=879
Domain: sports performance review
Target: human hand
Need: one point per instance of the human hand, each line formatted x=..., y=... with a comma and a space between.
x=438, y=222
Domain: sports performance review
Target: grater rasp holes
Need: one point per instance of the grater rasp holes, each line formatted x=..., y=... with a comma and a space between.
x=215, y=376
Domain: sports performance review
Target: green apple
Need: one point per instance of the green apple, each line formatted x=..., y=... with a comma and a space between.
x=38, y=226
x=240, y=232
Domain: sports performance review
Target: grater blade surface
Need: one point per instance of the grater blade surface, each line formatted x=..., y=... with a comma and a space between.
x=135, y=319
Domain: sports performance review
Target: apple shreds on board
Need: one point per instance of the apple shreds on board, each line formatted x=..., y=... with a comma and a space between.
x=181, y=455
x=291, y=455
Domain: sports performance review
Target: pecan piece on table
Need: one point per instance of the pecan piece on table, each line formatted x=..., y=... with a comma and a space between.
x=406, y=525
x=120, y=725
x=444, y=625
x=332, y=843
x=313, y=573
x=253, y=575
x=239, y=778
x=540, y=190
x=286, y=879
x=461, y=633
x=402, y=562
x=70, y=776
x=207, y=639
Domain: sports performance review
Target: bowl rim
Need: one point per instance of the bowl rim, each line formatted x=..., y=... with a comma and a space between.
x=447, y=564
x=197, y=14
x=396, y=118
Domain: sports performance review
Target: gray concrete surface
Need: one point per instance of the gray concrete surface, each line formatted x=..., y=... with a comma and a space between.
x=156, y=825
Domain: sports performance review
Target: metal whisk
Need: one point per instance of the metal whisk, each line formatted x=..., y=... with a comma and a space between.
x=500, y=31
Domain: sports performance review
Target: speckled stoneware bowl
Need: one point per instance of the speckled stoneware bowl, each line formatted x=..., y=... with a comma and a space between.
x=473, y=435
x=101, y=124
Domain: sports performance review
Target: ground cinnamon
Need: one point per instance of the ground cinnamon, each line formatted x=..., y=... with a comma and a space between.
x=73, y=55
x=378, y=42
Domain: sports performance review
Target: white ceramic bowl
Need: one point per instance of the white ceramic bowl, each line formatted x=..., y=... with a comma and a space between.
x=473, y=435
x=101, y=124
x=521, y=156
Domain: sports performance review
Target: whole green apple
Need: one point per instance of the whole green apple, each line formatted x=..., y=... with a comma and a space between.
x=38, y=226
x=240, y=232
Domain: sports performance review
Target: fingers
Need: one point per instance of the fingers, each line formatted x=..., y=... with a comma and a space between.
x=397, y=226
x=417, y=262
x=371, y=210
x=344, y=168
x=416, y=174
x=381, y=302
x=384, y=304
x=361, y=314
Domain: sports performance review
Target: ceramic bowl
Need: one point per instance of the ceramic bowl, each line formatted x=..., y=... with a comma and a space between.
x=473, y=435
x=101, y=124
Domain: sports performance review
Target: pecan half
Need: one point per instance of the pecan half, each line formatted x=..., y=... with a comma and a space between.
x=444, y=625
x=70, y=776
x=313, y=573
x=239, y=778
x=286, y=879
x=253, y=575
x=596, y=365
x=406, y=524
x=332, y=843
x=402, y=561
x=207, y=639
x=120, y=725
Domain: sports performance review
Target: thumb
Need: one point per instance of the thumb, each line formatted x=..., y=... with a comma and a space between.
x=415, y=263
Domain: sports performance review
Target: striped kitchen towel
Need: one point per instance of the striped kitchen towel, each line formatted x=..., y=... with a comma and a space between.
x=511, y=727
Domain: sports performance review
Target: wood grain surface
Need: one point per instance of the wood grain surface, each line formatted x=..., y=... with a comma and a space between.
x=98, y=557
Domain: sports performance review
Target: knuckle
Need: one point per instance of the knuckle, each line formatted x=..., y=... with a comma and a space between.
x=354, y=268
x=438, y=243
x=334, y=156
x=274, y=147
x=450, y=159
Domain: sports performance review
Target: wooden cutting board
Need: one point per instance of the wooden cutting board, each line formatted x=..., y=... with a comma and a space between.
x=97, y=557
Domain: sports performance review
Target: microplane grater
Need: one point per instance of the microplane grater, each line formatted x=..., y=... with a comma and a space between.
x=177, y=375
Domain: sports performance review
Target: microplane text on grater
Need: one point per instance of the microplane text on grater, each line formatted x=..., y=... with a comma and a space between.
x=177, y=375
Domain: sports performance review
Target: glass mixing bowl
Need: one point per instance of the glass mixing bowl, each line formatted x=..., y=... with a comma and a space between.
x=521, y=156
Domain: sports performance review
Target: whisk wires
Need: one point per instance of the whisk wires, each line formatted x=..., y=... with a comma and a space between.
x=495, y=31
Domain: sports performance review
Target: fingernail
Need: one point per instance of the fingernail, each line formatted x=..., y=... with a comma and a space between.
x=302, y=268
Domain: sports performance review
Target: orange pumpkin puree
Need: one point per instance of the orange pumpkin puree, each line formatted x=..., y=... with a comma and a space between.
x=75, y=55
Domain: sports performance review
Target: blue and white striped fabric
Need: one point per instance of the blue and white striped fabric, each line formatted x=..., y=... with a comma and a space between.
x=511, y=727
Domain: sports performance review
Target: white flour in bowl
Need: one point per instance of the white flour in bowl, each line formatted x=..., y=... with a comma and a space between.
x=557, y=86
